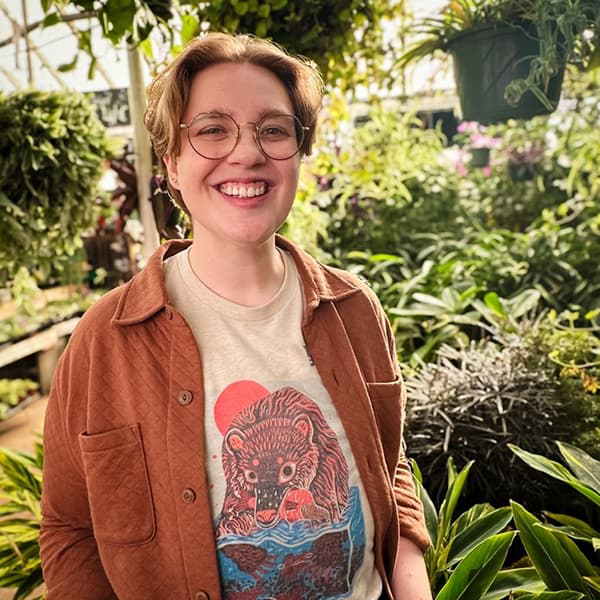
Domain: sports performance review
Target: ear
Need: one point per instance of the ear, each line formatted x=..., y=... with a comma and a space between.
x=171, y=164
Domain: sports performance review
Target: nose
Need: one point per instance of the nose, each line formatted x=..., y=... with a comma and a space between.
x=247, y=150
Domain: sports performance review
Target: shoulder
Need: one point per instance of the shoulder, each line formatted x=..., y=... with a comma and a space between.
x=96, y=321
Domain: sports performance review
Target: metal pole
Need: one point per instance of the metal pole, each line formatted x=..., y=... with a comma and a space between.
x=143, y=151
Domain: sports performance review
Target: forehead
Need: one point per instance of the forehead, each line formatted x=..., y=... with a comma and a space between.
x=242, y=90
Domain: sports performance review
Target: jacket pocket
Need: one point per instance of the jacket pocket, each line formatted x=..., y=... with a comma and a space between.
x=118, y=486
x=387, y=400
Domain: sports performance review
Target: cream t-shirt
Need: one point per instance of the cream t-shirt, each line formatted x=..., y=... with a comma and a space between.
x=291, y=516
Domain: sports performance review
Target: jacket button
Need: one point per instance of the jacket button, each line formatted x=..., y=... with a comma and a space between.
x=202, y=595
x=168, y=313
x=189, y=495
x=185, y=397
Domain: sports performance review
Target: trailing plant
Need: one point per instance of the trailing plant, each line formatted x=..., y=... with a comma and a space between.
x=567, y=30
x=53, y=149
x=20, y=516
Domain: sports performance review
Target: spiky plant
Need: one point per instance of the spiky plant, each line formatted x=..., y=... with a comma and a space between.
x=20, y=491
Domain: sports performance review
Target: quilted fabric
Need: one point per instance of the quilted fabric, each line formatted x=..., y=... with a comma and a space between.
x=125, y=508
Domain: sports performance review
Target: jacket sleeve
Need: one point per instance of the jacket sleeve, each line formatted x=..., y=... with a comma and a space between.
x=410, y=508
x=70, y=560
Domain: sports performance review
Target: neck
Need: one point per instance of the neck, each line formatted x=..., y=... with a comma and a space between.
x=249, y=276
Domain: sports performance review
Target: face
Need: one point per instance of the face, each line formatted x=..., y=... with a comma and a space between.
x=245, y=197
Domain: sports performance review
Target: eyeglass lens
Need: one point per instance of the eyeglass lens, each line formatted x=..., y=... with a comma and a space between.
x=214, y=135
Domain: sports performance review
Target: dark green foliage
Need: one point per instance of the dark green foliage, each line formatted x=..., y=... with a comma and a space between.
x=333, y=34
x=52, y=149
x=472, y=402
x=385, y=185
x=21, y=490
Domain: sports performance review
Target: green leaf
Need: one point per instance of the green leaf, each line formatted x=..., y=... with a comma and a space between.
x=65, y=67
x=561, y=595
x=477, y=532
x=586, y=468
x=51, y=19
x=556, y=470
x=475, y=573
x=573, y=527
x=492, y=301
x=451, y=499
x=546, y=553
x=513, y=580
x=431, y=518
x=189, y=27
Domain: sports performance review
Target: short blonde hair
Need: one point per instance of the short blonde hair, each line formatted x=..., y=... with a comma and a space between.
x=168, y=93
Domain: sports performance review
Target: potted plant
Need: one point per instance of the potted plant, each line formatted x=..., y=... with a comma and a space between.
x=510, y=55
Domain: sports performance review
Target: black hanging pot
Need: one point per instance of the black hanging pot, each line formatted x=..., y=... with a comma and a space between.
x=486, y=61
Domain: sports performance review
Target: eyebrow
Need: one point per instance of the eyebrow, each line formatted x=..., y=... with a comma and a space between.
x=261, y=114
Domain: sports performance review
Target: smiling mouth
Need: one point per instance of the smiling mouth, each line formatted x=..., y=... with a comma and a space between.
x=243, y=190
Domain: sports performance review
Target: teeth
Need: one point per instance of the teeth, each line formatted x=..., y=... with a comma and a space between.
x=242, y=190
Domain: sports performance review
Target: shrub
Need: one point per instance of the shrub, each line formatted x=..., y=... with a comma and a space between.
x=53, y=148
x=471, y=403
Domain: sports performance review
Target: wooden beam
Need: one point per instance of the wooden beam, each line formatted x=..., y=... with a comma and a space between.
x=64, y=19
x=32, y=48
x=11, y=78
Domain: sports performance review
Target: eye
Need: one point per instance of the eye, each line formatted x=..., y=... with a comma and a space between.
x=250, y=476
x=287, y=472
x=273, y=131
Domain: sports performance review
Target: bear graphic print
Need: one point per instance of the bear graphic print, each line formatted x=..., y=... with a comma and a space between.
x=290, y=526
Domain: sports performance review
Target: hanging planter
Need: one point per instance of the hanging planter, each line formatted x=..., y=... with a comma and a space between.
x=510, y=55
x=486, y=61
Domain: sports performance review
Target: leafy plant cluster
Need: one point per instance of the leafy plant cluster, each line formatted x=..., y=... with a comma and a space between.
x=471, y=403
x=468, y=557
x=20, y=516
x=53, y=148
x=568, y=31
x=332, y=34
x=13, y=392
x=468, y=554
x=34, y=311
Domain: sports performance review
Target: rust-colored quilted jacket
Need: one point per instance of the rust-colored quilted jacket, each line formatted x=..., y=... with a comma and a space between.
x=125, y=507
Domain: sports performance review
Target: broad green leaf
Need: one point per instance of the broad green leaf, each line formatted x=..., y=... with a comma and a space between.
x=189, y=26
x=575, y=528
x=450, y=500
x=431, y=518
x=586, y=468
x=549, y=558
x=561, y=595
x=470, y=516
x=513, y=580
x=477, y=532
x=476, y=572
x=556, y=470
x=492, y=301
x=581, y=561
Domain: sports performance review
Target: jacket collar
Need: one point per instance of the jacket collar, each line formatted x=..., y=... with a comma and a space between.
x=146, y=294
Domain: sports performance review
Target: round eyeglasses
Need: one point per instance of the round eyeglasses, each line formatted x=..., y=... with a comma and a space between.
x=215, y=135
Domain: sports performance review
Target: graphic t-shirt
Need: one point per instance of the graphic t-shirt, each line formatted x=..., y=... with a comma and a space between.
x=291, y=517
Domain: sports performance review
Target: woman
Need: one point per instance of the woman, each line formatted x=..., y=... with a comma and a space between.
x=228, y=423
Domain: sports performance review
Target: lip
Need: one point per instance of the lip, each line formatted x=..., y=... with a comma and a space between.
x=269, y=182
